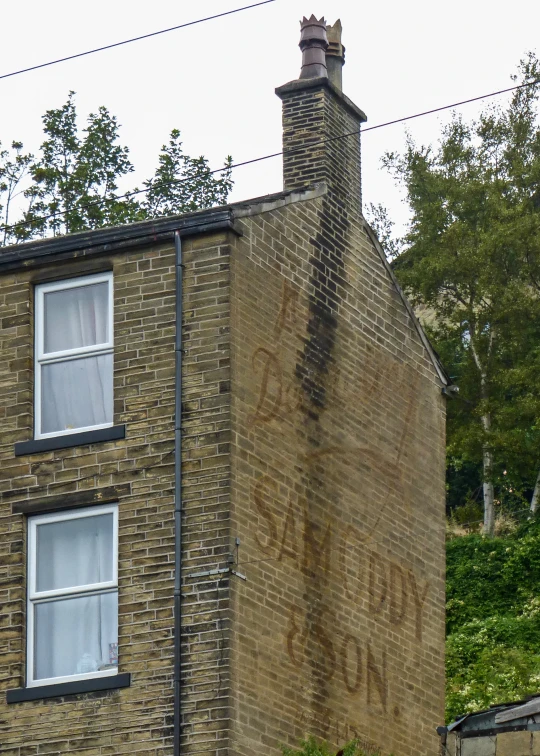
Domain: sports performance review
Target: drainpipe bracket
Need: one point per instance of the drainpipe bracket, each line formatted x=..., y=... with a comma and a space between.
x=220, y=571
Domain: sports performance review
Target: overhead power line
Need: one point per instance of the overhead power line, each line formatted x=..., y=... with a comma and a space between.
x=454, y=105
x=134, y=39
x=322, y=142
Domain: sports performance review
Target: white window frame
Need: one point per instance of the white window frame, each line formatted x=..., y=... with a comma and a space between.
x=35, y=597
x=42, y=359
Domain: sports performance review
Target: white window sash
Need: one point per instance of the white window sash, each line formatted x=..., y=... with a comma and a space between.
x=43, y=358
x=74, y=514
x=40, y=597
x=71, y=283
x=79, y=590
x=73, y=354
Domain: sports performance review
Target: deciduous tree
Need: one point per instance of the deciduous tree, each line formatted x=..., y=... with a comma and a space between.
x=74, y=182
x=471, y=260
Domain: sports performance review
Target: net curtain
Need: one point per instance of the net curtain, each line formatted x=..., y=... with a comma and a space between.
x=76, y=393
x=77, y=634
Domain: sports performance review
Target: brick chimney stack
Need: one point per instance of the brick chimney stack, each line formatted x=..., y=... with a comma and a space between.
x=317, y=115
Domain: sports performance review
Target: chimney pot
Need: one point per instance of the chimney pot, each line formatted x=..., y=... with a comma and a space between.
x=335, y=55
x=314, y=44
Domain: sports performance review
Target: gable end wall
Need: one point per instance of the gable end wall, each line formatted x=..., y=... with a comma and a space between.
x=337, y=494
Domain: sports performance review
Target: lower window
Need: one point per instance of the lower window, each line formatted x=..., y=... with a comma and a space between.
x=72, y=595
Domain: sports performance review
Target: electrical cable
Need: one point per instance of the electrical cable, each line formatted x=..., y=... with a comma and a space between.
x=278, y=559
x=454, y=105
x=369, y=542
x=128, y=195
x=322, y=142
x=134, y=39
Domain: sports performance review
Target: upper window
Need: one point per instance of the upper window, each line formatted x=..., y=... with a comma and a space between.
x=74, y=355
x=72, y=626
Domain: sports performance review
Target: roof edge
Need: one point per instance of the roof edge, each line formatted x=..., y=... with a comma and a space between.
x=276, y=201
x=102, y=240
x=437, y=364
x=157, y=230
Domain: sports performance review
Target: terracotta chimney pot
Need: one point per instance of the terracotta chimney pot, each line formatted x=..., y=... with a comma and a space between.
x=335, y=55
x=314, y=44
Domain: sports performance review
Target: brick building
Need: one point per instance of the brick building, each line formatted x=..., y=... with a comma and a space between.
x=510, y=729
x=268, y=561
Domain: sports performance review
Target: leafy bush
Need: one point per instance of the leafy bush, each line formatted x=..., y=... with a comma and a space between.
x=493, y=619
x=312, y=746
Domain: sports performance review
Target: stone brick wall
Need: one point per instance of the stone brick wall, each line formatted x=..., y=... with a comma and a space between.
x=206, y=538
x=138, y=473
x=313, y=433
x=338, y=494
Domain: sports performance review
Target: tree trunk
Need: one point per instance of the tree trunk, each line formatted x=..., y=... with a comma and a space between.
x=487, y=454
x=489, y=496
x=536, y=494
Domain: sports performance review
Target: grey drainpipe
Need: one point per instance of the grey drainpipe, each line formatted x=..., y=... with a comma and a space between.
x=178, y=495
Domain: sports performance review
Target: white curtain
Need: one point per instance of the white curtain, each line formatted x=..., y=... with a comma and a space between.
x=76, y=317
x=75, y=635
x=76, y=393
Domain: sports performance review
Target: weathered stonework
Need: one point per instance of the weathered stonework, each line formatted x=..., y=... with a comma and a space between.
x=337, y=498
x=313, y=432
x=138, y=473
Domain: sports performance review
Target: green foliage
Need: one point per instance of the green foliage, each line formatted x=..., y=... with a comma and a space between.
x=74, y=184
x=183, y=184
x=499, y=674
x=471, y=264
x=14, y=168
x=493, y=619
x=471, y=260
x=74, y=173
x=312, y=746
x=382, y=224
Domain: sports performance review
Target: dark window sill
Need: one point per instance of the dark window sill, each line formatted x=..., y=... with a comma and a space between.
x=16, y=695
x=73, y=439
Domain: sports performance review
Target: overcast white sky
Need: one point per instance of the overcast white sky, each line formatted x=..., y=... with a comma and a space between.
x=215, y=81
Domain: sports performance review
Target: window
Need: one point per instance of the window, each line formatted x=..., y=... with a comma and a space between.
x=74, y=356
x=72, y=595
